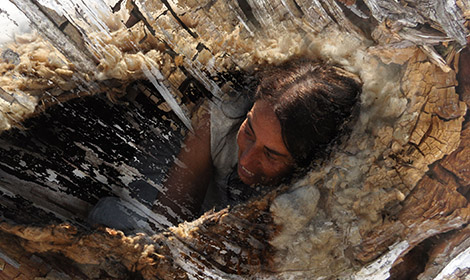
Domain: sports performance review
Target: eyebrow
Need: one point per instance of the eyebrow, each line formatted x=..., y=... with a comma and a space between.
x=268, y=149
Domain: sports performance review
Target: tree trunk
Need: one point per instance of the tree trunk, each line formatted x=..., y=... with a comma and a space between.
x=392, y=200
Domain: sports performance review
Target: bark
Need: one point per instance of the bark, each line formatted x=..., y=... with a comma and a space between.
x=392, y=200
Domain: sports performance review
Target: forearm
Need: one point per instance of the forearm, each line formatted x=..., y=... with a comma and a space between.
x=189, y=177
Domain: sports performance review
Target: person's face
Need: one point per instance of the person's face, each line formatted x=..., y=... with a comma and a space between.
x=262, y=155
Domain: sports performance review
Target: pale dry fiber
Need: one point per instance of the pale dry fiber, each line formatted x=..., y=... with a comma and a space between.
x=391, y=182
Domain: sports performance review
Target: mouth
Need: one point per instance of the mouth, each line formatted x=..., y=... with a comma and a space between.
x=245, y=172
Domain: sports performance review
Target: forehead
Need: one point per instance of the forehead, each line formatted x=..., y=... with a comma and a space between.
x=262, y=112
x=266, y=126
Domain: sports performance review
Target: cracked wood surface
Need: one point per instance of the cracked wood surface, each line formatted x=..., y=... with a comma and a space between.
x=411, y=183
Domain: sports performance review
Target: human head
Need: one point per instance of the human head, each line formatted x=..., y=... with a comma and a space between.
x=262, y=155
x=311, y=103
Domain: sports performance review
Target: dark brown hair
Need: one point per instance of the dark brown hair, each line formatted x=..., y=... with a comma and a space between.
x=313, y=101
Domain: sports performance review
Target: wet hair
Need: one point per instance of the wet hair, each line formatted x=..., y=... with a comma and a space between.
x=313, y=102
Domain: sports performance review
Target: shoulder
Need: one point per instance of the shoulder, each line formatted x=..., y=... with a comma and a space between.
x=200, y=116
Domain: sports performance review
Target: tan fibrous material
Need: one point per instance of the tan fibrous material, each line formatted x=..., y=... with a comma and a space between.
x=397, y=177
x=191, y=249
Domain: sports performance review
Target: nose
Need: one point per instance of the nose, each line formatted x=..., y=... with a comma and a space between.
x=250, y=156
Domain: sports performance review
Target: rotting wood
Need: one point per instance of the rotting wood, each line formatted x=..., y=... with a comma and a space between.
x=438, y=204
x=397, y=197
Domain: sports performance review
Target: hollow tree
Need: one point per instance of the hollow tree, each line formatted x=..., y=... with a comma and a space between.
x=95, y=87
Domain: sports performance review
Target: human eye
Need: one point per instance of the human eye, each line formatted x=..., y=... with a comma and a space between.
x=248, y=131
x=270, y=155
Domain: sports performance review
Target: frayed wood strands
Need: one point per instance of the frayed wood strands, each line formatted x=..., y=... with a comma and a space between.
x=392, y=200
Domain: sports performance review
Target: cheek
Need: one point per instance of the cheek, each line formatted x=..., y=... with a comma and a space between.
x=275, y=171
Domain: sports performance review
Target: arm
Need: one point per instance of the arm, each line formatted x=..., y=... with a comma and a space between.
x=189, y=177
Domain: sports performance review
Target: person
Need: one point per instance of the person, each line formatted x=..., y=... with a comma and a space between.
x=299, y=109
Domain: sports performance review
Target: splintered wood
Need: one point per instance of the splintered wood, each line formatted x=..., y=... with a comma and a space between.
x=398, y=187
x=192, y=249
x=439, y=204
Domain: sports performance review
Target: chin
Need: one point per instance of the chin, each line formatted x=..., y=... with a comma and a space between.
x=247, y=181
x=254, y=181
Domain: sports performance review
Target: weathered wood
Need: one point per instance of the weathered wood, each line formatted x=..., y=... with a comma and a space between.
x=400, y=178
x=439, y=204
x=65, y=162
